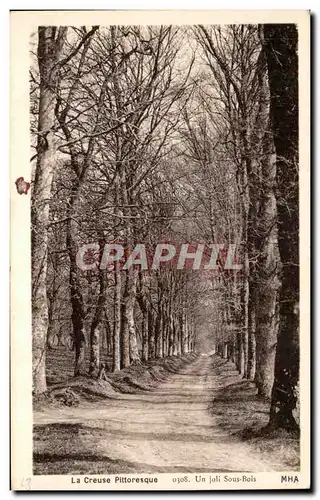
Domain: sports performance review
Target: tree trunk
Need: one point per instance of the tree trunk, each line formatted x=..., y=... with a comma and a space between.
x=77, y=304
x=225, y=350
x=142, y=300
x=95, y=326
x=108, y=336
x=134, y=351
x=51, y=333
x=251, y=368
x=263, y=247
x=240, y=353
x=267, y=297
x=247, y=209
x=159, y=331
x=49, y=52
x=265, y=351
x=184, y=332
x=151, y=334
x=145, y=335
x=234, y=351
x=125, y=335
x=130, y=351
x=94, y=350
x=178, y=335
x=117, y=320
x=171, y=334
x=191, y=337
x=165, y=340
x=280, y=45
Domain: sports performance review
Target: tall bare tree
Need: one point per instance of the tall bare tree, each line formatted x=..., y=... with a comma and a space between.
x=51, y=59
x=281, y=45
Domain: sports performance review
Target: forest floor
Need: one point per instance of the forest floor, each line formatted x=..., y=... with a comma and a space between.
x=202, y=418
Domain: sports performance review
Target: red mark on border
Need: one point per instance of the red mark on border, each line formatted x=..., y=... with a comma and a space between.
x=22, y=185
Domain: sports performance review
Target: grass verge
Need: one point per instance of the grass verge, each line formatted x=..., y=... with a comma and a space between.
x=239, y=410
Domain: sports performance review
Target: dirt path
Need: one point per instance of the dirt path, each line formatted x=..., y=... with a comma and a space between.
x=170, y=429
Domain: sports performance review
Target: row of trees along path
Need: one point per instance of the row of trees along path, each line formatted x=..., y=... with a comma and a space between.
x=151, y=134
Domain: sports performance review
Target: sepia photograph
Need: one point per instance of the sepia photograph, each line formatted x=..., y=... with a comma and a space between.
x=162, y=188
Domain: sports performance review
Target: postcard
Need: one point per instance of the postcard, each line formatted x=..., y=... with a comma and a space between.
x=160, y=250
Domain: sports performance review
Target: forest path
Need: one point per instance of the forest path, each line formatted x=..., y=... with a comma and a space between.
x=170, y=429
